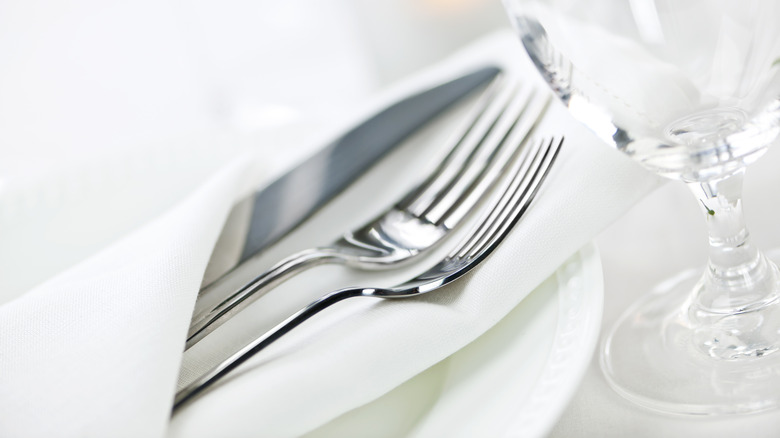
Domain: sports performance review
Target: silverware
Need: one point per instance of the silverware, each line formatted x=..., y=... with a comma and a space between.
x=529, y=168
x=424, y=216
x=270, y=213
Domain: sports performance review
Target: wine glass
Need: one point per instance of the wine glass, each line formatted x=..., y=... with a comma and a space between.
x=691, y=90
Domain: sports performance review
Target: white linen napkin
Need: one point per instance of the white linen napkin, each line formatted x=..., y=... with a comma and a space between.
x=96, y=350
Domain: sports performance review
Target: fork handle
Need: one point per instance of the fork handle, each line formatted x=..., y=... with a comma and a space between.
x=260, y=343
x=212, y=317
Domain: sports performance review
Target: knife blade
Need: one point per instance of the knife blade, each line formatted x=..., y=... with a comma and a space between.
x=272, y=212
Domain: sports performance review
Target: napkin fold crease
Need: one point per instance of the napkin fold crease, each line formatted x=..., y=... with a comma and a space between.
x=96, y=350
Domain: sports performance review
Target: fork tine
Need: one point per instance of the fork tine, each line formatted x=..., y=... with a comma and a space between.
x=528, y=173
x=480, y=122
x=472, y=191
x=517, y=121
x=482, y=145
x=461, y=144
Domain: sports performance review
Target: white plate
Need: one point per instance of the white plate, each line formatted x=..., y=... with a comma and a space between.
x=515, y=380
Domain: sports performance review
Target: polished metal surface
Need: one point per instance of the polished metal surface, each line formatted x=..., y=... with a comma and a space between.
x=275, y=210
x=424, y=216
x=529, y=167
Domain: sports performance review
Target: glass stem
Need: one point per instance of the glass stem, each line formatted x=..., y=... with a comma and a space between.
x=738, y=277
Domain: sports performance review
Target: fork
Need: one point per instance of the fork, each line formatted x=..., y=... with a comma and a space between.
x=529, y=169
x=423, y=217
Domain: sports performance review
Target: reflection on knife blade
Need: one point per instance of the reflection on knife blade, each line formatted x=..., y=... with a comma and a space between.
x=272, y=212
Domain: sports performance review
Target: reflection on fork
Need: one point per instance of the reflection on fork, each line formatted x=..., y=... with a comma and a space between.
x=505, y=116
x=529, y=168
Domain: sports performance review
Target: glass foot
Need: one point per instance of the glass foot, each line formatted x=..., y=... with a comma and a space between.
x=662, y=356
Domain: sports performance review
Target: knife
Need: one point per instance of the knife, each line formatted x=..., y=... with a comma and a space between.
x=270, y=213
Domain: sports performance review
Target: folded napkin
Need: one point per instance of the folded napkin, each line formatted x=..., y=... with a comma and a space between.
x=96, y=350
